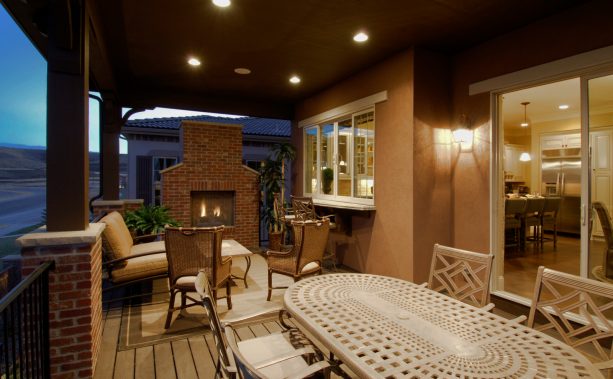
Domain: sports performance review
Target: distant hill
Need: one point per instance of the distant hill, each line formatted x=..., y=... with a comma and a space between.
x=19, y=146
x=30, y=163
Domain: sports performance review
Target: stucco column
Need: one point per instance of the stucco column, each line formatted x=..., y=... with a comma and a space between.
x=67, y=117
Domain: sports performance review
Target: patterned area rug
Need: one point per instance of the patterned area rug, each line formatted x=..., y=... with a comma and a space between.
x=143, y=324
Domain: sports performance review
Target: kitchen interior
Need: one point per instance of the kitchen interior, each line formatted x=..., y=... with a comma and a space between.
x=543, y=158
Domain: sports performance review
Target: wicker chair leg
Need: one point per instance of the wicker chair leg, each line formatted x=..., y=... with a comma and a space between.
x=269, y=285
x=183, y=299
x=171, y=308
x=229, y=293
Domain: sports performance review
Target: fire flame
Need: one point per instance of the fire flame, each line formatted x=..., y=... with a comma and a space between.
x=216, y=210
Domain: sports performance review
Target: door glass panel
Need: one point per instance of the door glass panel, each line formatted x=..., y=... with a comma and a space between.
x=540, y=223
x=310, y=167
x=327, y=159
x=600, y=121
x=344, y=165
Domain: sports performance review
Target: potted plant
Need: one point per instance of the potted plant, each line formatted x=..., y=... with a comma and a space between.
x=327, y=176
x=149, y=220
x=272, y=181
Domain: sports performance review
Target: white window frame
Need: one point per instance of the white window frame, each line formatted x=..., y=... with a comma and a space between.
x=349, y=159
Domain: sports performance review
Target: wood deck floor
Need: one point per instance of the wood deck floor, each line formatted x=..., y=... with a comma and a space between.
x=186, y=358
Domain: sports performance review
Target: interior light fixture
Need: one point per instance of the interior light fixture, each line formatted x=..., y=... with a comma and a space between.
x=563, y=106
x=222, y=3
x=525, y=123
x=525, y=156
x=242, y=71
x=360, y=37
x=295, y=79
x=194, y=62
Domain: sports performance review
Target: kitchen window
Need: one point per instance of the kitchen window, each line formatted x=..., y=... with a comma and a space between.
x=339, y=159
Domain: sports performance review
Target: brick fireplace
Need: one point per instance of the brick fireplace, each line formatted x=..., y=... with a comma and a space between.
x=211, y=186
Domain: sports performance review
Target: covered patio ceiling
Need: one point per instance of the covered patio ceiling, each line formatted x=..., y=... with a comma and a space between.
x=139, y=49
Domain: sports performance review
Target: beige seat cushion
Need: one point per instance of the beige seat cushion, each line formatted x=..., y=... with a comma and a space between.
x=264, y=349
x=141, y=267
x=117, y=235
x=149, y=247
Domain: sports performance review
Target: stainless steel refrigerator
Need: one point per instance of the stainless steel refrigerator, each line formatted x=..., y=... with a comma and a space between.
x=561, y=176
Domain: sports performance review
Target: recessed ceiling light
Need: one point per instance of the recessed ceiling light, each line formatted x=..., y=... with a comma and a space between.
x=563, y=106
x=524, y=124
x=194, y=61
x=222, y=3
x=242, y=71
x=294, y=79
x=360, y=37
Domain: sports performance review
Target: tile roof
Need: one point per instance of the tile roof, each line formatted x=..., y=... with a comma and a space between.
x=251, y=125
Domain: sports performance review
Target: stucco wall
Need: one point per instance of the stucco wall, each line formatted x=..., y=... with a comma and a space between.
x=573, y=32
x=382, y=242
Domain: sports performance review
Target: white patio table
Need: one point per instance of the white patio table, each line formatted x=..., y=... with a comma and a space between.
x=232, y=248
x=386, y=327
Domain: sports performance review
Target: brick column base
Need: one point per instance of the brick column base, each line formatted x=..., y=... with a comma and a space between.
x=120, y=206
x=75, y=295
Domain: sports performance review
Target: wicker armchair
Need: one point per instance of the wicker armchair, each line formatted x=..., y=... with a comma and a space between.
x=190, y=250
x=305, y=257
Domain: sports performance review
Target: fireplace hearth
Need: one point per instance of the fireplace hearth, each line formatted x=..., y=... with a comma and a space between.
x=212, y=208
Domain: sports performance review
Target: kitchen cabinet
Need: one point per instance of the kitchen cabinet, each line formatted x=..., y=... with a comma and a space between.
x=561, y=141
x=515, y=170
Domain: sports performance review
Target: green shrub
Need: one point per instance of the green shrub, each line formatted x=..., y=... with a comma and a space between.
x=149, y=219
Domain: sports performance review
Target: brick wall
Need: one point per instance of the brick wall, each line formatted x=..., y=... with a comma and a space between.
x=121, y=206
x=212, y=161
x=75, y=300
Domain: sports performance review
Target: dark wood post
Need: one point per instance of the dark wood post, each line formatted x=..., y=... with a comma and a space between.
x=110, y=148
x=67, y=117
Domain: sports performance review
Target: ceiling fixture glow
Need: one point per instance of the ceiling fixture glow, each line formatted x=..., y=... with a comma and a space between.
x=242, y=71
x=525, y=123
x=194, y=61
x=525, y=156
x=294, y=79
x=222, y=3
x=563, y=106
x=360, y=37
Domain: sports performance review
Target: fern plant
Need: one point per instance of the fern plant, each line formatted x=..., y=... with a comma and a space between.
x=149, y=219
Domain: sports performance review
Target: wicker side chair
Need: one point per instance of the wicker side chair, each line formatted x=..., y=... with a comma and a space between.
x=461, y=274
x=190, y=250
x=604, y=272
x=305, y=257
x=562, y=300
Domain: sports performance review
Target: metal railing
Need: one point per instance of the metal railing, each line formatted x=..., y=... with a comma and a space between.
x=24, y=327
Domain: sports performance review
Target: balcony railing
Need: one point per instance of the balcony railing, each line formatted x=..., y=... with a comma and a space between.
x=24, y=327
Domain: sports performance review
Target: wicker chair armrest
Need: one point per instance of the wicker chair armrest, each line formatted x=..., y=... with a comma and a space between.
x=119, y=260
x=273, y=253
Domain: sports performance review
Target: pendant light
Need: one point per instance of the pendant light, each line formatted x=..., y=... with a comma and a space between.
x=525, y=156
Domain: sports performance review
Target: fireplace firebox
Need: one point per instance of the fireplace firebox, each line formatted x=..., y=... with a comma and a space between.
x=212, y=208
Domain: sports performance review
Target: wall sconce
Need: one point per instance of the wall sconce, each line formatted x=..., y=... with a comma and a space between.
x=463, y=134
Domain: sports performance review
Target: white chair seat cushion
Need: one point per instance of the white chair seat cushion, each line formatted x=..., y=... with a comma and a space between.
x=312, y=266
x=149, y=247
x=268, y=347
x=186, y=281
x=140, y=267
